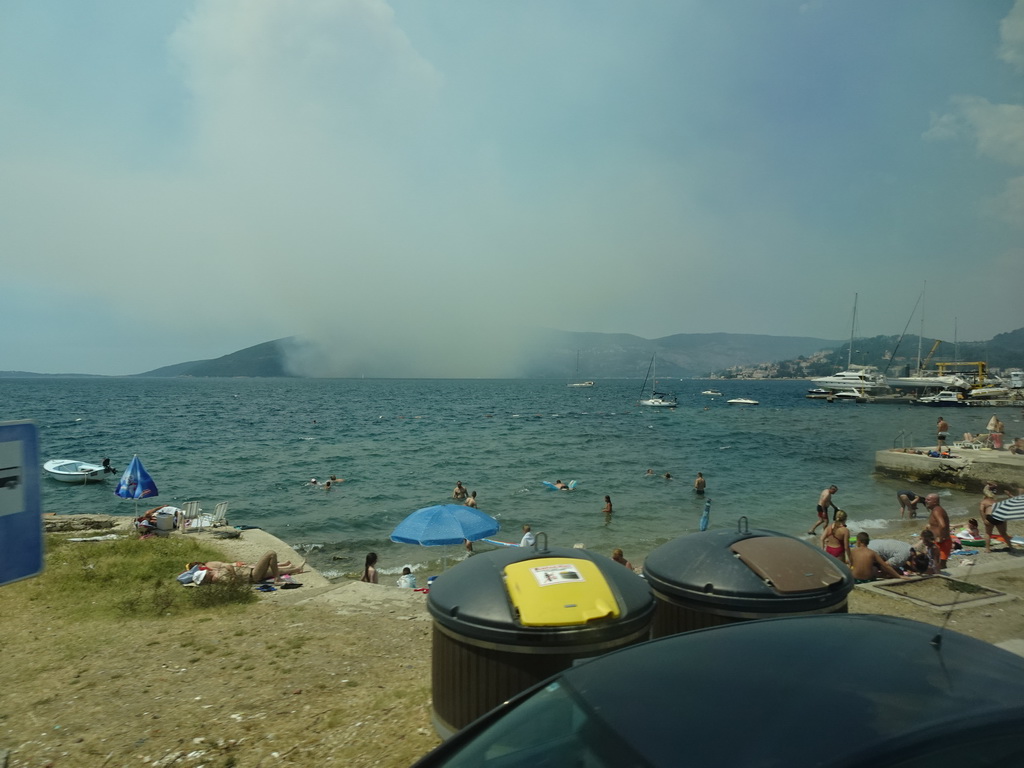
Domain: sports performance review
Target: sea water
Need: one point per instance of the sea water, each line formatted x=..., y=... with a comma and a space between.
x=402, y=444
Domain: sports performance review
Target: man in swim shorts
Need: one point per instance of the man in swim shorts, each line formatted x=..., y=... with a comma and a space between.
x=824, y=502
x=938, y=524
x=867, y=564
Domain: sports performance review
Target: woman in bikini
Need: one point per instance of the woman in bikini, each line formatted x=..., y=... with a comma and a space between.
x=266, y=566
x=836, y=538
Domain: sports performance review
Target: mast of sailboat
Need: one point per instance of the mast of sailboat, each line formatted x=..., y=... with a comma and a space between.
x=853, y=325
x=643, y=387
x=920, y=336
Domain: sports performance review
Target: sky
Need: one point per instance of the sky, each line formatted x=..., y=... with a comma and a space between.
x=421, y=181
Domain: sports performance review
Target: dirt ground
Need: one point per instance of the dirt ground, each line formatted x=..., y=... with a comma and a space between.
x=333, y=676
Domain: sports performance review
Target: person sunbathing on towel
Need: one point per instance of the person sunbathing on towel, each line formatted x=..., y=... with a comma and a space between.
x=266, y=567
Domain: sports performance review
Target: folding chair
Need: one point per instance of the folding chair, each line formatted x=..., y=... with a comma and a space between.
x=191, y=512
x=219, y=515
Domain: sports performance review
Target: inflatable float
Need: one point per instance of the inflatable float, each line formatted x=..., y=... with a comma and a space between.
x=552, y=486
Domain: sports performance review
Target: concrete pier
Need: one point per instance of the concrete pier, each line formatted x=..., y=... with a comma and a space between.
x=967, y=470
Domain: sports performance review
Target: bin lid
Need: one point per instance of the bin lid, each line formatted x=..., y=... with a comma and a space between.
x=551, y=592
x=498, y=597
x=787, y=565
x=755, y=570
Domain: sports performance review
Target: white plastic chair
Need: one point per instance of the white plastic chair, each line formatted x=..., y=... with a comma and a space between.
x=219, y=515
x=191, y=515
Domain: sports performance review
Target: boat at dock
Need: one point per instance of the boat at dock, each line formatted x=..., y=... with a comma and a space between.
x=859, y=378
x=946, y=397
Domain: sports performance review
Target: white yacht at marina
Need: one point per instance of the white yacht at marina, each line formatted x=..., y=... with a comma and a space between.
x=862, y=378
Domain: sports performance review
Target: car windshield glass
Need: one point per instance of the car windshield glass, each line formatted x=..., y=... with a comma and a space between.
x=551, y=728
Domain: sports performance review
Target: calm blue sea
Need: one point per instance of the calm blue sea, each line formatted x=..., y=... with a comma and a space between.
x=402, y=444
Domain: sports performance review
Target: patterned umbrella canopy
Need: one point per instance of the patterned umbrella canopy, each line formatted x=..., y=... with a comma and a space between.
x=1009, y=509
x=136, y=482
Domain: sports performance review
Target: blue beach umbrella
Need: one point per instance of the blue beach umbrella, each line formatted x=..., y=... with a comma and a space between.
x=705, y=518
x=444, y=524
x=136, y=483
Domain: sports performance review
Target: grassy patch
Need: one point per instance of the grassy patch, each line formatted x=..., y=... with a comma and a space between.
x=127, y=578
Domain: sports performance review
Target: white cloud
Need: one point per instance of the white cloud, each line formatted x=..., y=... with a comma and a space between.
x=1011, y=33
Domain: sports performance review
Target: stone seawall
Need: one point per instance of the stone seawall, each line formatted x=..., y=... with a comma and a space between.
x=967, y=470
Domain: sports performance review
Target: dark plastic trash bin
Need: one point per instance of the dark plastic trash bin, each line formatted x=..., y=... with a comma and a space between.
x=506, y=619
x=718, y=577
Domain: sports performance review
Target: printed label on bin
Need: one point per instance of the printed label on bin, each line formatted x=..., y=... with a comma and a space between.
x=547, y=592
x=546, y=575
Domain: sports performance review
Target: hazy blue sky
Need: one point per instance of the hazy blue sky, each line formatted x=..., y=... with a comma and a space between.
x=179, y=180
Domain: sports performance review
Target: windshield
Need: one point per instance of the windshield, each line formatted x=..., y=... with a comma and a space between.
x=551, y=728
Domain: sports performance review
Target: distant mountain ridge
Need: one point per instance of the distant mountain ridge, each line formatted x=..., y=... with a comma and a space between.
x=606, y=355
x=553, y=355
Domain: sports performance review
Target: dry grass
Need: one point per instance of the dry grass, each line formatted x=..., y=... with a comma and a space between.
x=85, y=682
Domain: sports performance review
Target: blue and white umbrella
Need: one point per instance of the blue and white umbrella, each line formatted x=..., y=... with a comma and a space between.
x=136, y=483
x=444, y=524
x=705, y=518
x=1008, y=509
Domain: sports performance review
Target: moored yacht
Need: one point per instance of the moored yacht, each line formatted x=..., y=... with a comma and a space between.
x=858, y=377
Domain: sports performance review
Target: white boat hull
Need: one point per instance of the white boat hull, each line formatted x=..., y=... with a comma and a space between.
x=658, y=402
x=742, y=401
x=861, y=381
x=983, y=392
x=72, y=471
x=583, y=384
x=929, y=382
x=943, y=398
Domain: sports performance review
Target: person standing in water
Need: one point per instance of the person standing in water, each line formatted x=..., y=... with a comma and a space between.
x=824, y=502
x=370, y=569
x=699, y=484
x=607, y=511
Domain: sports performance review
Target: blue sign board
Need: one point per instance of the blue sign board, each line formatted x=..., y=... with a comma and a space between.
x=21, y=511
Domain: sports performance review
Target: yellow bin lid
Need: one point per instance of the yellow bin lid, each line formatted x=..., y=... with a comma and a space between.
x=558, y=592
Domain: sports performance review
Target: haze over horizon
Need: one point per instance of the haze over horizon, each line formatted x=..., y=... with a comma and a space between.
x=182, y=180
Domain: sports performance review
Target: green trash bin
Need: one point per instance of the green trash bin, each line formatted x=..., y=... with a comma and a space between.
x=507, y=619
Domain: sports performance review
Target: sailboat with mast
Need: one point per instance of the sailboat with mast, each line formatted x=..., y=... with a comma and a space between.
x=922, y=378
x=856, y=379
x=657, y=399
x=579, y=383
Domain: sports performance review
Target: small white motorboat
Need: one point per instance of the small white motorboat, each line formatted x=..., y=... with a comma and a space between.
x=945, y=397
x=72, y=471
x=714, y=392
x=742, y=401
